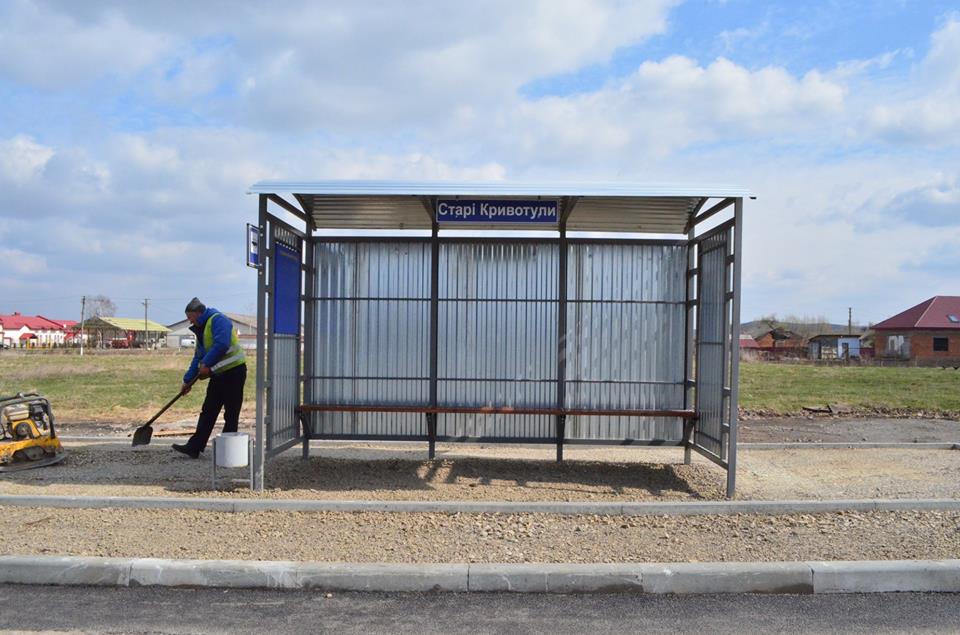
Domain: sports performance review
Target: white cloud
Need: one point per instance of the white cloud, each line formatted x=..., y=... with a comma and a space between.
x=359, y=69
x=21, y=262
x=151, y=174
x=666, y=106
x=932, y=204
x=22, y=158
x=926, y=110
x=44, y=47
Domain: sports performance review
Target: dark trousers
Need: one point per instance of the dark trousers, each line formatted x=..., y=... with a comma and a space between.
x=224, y=391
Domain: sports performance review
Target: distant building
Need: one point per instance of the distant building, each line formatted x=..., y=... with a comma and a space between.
x=180, y=335
x=749, y=349
x=114, y=332
x=928, y=333
x=34, y=331
x=834, y=346
x=780, y=342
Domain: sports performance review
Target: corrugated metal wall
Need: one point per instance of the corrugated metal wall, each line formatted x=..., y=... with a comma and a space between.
x=284, y=391
x=713, y=325
x=372, y=335
x=497, y=336
x=283, y=366
x=625, y=337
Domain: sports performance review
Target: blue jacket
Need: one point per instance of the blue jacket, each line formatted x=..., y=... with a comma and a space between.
x=222, y=333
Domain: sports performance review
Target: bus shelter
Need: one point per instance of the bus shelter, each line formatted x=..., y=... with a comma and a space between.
x=565, y=314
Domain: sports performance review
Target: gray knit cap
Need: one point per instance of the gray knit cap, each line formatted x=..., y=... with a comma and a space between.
x=195, y=305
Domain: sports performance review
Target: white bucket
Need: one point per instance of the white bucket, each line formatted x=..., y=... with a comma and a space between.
x=232, y=449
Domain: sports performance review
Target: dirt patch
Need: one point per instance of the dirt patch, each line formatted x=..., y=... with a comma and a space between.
x=848, y=430
x=382, y=537
x=401, y=471
x=820, y=429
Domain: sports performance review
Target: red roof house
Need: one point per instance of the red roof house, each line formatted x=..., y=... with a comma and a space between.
x=928, y=333
x=17, y=329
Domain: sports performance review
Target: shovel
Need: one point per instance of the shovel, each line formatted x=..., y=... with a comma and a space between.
x=143, y=434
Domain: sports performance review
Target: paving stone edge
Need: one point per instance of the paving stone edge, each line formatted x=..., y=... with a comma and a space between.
x=677, y=578
x=241, y=505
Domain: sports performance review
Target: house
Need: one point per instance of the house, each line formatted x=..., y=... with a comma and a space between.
x=749, y=349
x=114, y=332
x=32, y=331
x=779, y=337
x=834, y=346
x=928, y=333
x=780, y=342
x=180, y=334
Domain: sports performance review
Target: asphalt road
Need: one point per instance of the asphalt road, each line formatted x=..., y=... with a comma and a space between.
x=163, y=610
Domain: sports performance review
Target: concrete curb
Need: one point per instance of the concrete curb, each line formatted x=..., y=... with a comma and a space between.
x=692, y=508
x=863, y=445
x=679, y=578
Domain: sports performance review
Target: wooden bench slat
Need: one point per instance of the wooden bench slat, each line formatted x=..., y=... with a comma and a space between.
x=507, y=410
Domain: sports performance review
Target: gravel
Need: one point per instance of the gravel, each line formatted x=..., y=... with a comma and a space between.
x=368, y=471
x=428, y=537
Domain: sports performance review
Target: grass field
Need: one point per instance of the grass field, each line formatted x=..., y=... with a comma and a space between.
x=781, y=389
x=130, y=388
x=111, y=387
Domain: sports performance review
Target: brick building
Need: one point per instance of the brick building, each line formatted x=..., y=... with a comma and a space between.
x=928, y=333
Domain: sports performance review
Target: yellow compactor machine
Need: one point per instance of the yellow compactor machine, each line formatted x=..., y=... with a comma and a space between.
x=28, y=437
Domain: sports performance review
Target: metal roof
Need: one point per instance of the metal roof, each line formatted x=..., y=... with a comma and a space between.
x=124, y=324
x=933, y=313
x=606, y=207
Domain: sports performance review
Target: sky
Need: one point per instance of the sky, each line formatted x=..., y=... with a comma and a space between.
x=130, y=131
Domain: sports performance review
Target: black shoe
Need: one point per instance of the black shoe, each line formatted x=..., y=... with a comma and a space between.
x=186, y=449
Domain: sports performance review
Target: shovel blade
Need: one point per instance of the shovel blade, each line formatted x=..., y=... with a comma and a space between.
x=142, y=435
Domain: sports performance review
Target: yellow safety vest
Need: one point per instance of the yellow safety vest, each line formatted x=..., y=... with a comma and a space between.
x=233, y=357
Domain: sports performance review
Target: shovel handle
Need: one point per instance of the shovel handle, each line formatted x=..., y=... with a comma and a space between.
x=169, y=403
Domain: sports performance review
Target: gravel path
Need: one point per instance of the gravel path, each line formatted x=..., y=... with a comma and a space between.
x=820, y=429
x=366, y=471
x=380, y=537
x=752, y=429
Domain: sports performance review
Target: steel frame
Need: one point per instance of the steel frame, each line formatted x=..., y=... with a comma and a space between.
x=431, y=410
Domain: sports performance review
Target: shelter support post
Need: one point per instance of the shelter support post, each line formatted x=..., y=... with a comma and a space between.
x=561, y=432
x=689, y=382
x=309, y=306
x=561, y=420
x=431, y=418
x=735, y=349
x=434, y=329
x=259, y=454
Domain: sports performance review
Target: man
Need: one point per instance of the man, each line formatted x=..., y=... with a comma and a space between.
x=219, y=358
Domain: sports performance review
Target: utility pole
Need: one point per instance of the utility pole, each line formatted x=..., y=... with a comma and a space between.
x=849, y=320
x=146, y=304
x=83, y=309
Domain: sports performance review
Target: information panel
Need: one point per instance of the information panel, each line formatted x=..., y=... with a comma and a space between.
x=253, y=246
x=286, y=294
x=497, y=211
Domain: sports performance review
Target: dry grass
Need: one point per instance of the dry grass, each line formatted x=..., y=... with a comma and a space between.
x=129, y=387
x=105, y=387
x=784, y=389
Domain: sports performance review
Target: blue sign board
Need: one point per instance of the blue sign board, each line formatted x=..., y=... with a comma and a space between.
x=496, y=211
x=253, y=246
x=286, y=291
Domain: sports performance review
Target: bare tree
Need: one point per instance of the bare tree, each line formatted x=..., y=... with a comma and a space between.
x=809, y=326
x=771, y=321
x=101, y=306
